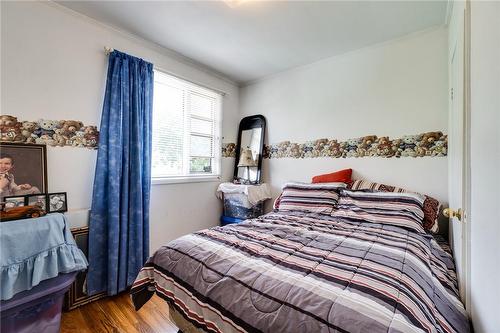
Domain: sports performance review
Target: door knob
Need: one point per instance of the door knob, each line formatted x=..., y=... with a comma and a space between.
x=450, y=213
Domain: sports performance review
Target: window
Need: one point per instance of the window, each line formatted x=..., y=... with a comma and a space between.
x=186, y=130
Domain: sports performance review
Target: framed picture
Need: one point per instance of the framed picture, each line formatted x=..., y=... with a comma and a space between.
x=57, y=202
x=23, y=169
x=14, y=201
x=39, y=200
x=77, y=294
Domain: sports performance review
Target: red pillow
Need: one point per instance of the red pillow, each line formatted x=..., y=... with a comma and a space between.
x=343, y=176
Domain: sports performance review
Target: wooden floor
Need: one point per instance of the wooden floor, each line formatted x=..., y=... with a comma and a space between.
x=117, y=314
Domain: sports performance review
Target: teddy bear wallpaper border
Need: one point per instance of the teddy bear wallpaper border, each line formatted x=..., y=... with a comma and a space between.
x=74, y=133
x=430, y=144
x=61, y=133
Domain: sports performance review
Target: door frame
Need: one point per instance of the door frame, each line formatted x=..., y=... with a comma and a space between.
x=467, y=160
x=465, y=225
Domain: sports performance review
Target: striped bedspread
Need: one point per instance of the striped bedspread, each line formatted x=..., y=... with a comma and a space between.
x=297, y=272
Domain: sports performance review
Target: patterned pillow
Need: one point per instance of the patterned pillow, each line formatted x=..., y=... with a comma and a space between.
x=312, y=198
x=398, y=209
x=431, y=206
x=276, y=204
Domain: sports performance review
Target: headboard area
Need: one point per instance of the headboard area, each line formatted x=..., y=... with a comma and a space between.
x=414, y=162
x=424, y=175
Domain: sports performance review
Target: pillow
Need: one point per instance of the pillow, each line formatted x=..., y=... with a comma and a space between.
x=276, y=203
x=398, y=209
x=431, y=206
x=332, y=186
x=312, y=198
x=343, y=176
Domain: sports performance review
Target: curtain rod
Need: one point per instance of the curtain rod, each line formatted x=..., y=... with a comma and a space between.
x=108, y=50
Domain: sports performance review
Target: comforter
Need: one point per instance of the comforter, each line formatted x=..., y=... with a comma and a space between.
x=299, y=272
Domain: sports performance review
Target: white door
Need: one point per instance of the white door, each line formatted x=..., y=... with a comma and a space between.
x=458, y=141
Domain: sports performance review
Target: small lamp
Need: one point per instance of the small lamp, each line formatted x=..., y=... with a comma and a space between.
x=247, y=160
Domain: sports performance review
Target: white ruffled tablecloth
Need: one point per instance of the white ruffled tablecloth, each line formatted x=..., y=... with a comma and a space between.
x=33, y=250
x=254, y=193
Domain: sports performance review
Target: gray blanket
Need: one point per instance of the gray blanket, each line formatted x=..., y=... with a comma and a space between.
x=297, y=272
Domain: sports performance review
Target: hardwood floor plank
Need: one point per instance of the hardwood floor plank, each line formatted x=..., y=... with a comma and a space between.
x=73, y=322
x=124, y=319
x=97, y=320
x=117, y=314
x=140, y=324
x=153, y=315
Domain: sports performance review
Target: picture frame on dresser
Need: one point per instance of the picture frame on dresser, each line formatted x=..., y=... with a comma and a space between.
x=39, y=200
x=57, y=202
x=14, y=201
x=77, y=296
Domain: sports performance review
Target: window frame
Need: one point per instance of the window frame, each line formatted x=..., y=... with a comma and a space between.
x=196, y=88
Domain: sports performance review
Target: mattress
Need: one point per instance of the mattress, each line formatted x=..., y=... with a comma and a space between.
x=305, y=272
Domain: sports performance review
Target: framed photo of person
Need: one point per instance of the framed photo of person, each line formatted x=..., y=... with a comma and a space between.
x=39, y=200
x=14, y=201
x=57, y=202
x=23, y=169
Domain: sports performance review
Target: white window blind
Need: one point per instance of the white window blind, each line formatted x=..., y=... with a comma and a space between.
x=186, y=129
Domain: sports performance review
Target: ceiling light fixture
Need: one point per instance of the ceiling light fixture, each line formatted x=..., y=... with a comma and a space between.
x=235, y=3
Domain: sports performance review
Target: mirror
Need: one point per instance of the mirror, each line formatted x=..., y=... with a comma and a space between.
x=249, y=149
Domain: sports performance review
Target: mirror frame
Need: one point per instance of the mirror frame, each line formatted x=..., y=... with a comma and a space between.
x=247, y=123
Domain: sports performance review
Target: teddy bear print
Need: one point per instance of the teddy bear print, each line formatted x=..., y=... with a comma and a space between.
x=77, y=140
x=440, y=148
x=351, y=148
x=384, y=147
x=295, y=150
x=265, y=151
x=74, y=133
x=7, y=121
x=59, y=139
x=281, y=149
x=333, y=149
x=429, y=138
x=272, y=151
x=68, y=128
x=46, y=127
x=427, y=141
x=318, y=147
x=45, y=139
x=12, y=134
x=90, y=137
x=49, y=132
x=65, y=131
x=10, y=129
x=408, y=145
x=27, y=129
x=229, y=150
x=365, y=147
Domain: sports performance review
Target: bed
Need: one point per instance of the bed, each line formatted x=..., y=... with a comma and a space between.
x=302, y=271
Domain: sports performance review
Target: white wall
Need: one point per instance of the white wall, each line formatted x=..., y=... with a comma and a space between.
x=485, y=163
x=395, y=88
x=54, y=67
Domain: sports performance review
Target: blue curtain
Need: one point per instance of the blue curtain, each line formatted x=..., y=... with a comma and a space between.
x=119, y=218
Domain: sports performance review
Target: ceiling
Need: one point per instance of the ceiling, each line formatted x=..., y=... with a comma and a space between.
x=258, y=38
